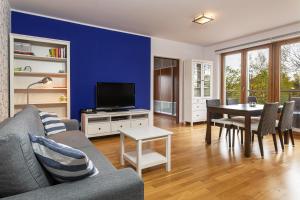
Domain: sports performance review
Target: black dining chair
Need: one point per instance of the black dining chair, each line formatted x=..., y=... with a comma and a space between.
x=231, y=101
x=285, y=123
x=266, y=125
x=252, y=99
x=218, y=119
x=296, y=113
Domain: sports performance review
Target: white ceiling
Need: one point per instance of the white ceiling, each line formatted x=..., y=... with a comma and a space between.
x=172, y=19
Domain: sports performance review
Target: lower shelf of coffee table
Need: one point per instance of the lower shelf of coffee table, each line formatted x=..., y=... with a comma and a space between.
x=149, y=158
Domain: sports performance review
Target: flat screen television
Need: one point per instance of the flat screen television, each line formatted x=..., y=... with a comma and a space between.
x=115, y=96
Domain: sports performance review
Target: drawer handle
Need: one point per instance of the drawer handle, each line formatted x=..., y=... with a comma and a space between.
x=140, y=124
x=99, y=128
x=121, y=126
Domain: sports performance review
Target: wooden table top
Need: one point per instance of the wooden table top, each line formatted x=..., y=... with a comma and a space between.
x=239, y=109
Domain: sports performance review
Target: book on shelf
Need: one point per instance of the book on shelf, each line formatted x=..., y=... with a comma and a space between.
x=57, y=52
x=23, y=53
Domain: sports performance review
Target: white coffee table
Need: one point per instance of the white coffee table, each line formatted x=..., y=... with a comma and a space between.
x=140, y=158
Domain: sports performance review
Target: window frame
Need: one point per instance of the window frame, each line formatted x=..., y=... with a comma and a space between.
x=274, y=69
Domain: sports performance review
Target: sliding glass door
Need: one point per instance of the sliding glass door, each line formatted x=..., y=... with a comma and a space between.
x=270, y=72
x=289, y=71
x=232, y=72
x=258, y=74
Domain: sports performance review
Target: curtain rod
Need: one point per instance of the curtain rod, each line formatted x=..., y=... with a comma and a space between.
x=262, y=40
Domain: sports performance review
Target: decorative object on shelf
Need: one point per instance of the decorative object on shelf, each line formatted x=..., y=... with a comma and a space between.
x=27, y=69
x=18, y=69
x=23, y=48
x=45, y=80
x=63, y=98
x=61, y=71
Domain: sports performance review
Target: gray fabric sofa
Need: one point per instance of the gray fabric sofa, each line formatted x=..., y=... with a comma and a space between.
x=22, y=177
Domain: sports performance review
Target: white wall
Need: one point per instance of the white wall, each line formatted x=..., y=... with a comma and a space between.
x=178, y=50
x=209, y=51
x=4, y=31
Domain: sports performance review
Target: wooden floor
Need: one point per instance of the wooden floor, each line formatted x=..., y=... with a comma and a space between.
x=215, y=172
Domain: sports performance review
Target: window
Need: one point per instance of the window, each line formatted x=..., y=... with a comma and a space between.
x=258, y=74
x=232, y=71
x=289, y=71
x=269, y=72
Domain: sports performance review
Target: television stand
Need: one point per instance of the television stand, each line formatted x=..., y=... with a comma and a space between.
x=104, y=123
x=116, y=110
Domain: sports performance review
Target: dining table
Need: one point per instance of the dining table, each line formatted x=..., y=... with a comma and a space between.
x=244, y=110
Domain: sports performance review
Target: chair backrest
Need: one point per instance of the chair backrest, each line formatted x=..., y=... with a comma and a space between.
x=252, y=99
x=267, y=121
x=286, y=117
x=297, y=103
x=214, y=102
x=232, y=101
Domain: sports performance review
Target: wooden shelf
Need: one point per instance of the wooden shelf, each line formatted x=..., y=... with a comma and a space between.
x=46, y=98
x=40, y=74
x=43, y=104
x=39, y=58
x=41, y=90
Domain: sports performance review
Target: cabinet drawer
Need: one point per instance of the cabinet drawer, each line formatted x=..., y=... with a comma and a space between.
x=139, y=123
x=99, y=128
x=199, y=116
x=115, y=126
x=199, y=101
x=198, y=106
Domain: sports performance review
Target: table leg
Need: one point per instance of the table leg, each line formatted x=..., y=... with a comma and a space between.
x=168, y=153
x=248, y=133
x=122, y=148
x=208, y=128
x=139, y=157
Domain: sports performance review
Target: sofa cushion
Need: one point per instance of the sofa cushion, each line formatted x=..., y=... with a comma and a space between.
x=52, y=123
x=19, y=165
x=31, y=121
x=63, y=162
x=99, y=160
x=19, y=173
x=77, y=139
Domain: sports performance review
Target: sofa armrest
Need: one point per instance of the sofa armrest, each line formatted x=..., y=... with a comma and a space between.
x=71, y=124
x=124, y=184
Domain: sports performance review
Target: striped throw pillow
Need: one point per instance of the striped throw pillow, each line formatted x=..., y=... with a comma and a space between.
x=63, y=162
x=52, y=123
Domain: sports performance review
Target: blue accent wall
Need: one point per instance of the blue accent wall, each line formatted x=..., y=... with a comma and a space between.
x=96, y=55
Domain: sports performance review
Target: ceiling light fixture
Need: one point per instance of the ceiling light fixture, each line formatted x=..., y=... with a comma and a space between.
x=202, y=19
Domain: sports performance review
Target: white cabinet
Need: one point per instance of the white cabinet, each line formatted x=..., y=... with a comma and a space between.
x=197, y=89
x=109, y=123
x=139, y=123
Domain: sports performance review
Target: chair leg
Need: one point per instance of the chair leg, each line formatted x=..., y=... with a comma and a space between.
x=220, y=133
x=275, y=142
x=292, y=137
x=281, y=140
x=286, y=137
x=229, y=137
x=261, y=148
x=233, y=137
x=242, y=137
x=227, y=131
